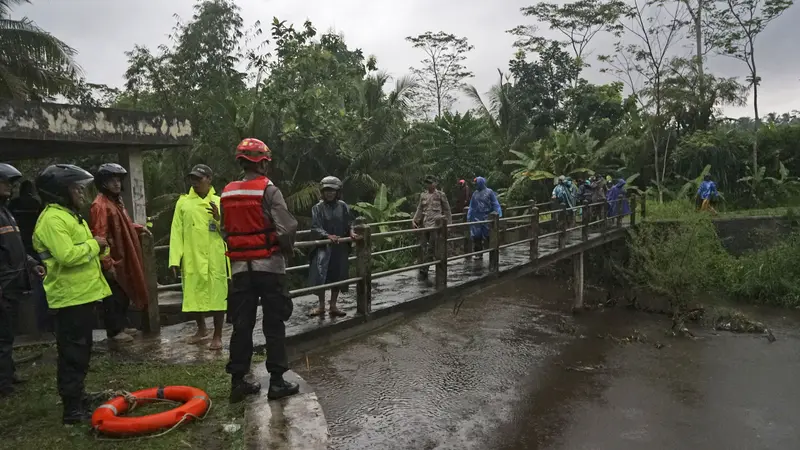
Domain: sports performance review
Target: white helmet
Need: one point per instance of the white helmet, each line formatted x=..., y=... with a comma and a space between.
x=330, y=182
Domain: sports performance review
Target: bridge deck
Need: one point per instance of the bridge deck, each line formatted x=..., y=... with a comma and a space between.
x=396, y=289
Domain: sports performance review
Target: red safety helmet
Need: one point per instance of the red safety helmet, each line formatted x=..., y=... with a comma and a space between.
x=253, y=150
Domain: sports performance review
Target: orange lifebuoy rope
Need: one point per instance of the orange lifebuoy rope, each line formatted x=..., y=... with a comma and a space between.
x=108, y=419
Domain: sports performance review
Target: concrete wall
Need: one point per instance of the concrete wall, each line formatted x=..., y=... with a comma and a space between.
x=741, y=235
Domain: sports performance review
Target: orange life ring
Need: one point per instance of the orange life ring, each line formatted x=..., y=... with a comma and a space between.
x=107, y=419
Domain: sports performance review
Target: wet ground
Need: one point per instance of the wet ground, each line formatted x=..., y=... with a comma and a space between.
x=516, y=371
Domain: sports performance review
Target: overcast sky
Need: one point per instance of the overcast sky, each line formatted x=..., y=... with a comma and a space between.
x=102, y=30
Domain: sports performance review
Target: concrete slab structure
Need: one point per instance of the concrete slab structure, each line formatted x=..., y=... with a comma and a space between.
x=62, y=133
x=30, y=130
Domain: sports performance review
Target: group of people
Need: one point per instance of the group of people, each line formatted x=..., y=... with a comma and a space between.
x=246, y=232
x=595, y=189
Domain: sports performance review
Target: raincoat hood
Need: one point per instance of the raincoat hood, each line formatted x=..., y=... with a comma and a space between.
x=480, y=183
x=620, y=182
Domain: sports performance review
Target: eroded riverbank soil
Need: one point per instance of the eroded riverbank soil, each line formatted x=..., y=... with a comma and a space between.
x=515, y=370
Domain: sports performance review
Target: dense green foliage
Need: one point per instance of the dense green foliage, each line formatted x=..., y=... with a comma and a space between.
x=685, y=262
x=327, y=109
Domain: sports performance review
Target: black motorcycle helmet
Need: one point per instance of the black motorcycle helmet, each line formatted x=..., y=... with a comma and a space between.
x=54, y=181
x=107, y=171
x=9, y=173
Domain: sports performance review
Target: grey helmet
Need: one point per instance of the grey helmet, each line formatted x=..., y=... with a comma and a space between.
x=330, y=182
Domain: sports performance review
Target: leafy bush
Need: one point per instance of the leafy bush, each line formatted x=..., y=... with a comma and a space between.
x=682, y=261
x=770, y=276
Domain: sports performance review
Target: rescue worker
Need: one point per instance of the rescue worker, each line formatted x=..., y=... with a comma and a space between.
x=15, y=267
x=432, y=205
x=330, y=219
x=197, y=250
x=74, y=280
x=484, y=201
x=259, y=230
x=123, y=267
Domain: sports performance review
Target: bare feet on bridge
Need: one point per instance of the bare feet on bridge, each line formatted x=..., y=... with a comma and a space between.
x=216, y=344
x=198, y=337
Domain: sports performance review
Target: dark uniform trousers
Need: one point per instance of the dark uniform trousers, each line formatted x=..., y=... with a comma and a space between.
x=74, y=325
x=115, y=309
x=246, y=292
x=8, y=302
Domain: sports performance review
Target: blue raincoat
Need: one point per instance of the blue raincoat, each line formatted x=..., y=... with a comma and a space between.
x=707, y=189
x=483, y=202
x=563, y=194
x=614, y=194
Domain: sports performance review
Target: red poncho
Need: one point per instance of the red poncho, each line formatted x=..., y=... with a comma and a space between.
x=110, y=220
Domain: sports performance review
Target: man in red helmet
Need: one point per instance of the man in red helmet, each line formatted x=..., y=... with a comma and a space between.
x=259, y=230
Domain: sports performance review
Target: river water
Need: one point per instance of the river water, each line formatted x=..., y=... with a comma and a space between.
x=514, y=370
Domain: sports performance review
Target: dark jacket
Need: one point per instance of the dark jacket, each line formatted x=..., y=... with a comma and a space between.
x=26, y=210
x=15, y=263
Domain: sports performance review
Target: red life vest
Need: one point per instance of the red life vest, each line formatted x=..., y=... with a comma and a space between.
x=250, y=234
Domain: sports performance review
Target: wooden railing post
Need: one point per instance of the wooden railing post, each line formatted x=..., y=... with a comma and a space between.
x=534, y=249
x=467, y=236
x=151, y=322
x=604, y=217
x=441, y=253
x=619, y=215
x=363, y=268
x=494, y=242
x=585, y=226
x=562, y=227
x=633, y=211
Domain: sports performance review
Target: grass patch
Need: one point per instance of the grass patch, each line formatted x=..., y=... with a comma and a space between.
x=685, y=209
x=31, y=418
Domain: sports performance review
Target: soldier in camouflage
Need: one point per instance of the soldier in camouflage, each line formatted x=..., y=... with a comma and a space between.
x=433, y=205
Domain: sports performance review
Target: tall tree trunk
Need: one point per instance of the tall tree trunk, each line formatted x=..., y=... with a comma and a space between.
x=698, y=37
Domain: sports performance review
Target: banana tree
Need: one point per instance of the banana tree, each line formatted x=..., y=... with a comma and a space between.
x=381, y=209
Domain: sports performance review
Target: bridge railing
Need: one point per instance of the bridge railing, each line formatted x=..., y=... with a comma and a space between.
x=524, y=220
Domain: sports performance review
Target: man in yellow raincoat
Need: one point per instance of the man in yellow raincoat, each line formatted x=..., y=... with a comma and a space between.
x=196, y=248
x=74, y=280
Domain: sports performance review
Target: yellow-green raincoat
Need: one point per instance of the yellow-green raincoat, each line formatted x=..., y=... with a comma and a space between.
x=71, y=256
x=197, y=247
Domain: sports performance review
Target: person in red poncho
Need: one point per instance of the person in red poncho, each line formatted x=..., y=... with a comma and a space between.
x=123, y=267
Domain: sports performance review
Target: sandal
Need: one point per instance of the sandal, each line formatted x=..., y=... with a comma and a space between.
x=316, y=312
x=336, y=312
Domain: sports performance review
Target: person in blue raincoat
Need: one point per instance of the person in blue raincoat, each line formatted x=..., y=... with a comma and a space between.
x=706, y=194
x=617, y=200
x=483, y=202
x=562, y=197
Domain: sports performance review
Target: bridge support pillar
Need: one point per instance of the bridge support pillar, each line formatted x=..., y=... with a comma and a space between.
x=577, y=281
x=441, y=254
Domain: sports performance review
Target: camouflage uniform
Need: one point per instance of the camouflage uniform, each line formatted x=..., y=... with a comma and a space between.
x=432, y=206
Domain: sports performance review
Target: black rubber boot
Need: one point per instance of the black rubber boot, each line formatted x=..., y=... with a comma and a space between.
x=280, y=388
x=75, y=413
x=241, y=388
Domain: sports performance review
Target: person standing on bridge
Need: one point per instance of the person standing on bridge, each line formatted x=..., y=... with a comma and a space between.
x=16, y=270
x=123, y=268
x=617, y=200
x=330, y=219
x=433, y=205
x=562, y=198
x=464, y=196
x=74, y=279
x=197, y=249
x=259, y=230
x=483, y=202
